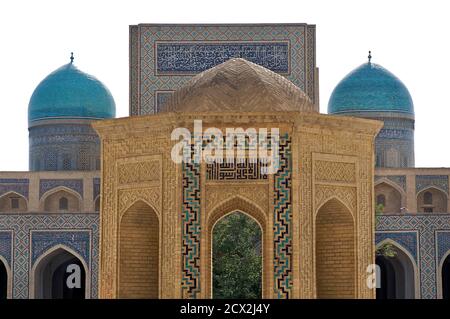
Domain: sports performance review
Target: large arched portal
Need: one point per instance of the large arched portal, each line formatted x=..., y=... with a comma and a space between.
x=60, y=275
x=3, y=281
x=335, y=252
x=397, y=276
x=237, y=257
x=139, y=253
x=446, y=278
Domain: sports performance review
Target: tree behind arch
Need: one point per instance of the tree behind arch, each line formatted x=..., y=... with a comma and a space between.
x=237, y=262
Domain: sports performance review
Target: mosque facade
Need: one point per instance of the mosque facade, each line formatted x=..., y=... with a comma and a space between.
x=346, y=184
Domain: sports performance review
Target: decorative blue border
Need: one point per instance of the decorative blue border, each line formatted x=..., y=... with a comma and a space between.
x=20, y=186
x=77, y=240
x=48, y=184
x=406, y=239
x=6, y=237
x=426, y=226
x=23, y=225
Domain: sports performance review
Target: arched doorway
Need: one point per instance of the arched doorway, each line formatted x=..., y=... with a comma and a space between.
x=3, y=281
x=237, y=257
x=139, y=252
x=387, y=288
x=60, y=275
x=446, y=278
x=397, y=276
x=335, y=252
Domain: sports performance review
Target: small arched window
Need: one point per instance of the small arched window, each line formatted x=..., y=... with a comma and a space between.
x=381, y=200
x=428, y=198
x=63, y=203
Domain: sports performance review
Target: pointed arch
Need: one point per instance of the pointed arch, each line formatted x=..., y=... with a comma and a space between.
x=8, y=281
x=40, y=275
x=252, y=210
x=139, y=250
x=134, y=202
x=443, y=276
x=237, y=244
x=237, y=203
x=97, y=202
x=335, y=198
x=394, y=194
x=406, y=271
x=49, y=201
x=335, y=251
x=387, y=181
x=6, y=202
x=438, y=198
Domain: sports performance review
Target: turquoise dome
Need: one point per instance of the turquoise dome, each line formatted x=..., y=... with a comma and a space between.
x=68, y=93
x=370, y=88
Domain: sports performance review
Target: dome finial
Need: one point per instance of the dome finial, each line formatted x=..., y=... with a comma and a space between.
x=370, y=56
x=71, y=57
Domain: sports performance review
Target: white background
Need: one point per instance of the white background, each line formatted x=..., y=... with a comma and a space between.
x=409, y=38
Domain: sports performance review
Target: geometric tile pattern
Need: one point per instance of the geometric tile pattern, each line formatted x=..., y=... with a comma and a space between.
x=428, y=227
x=443, y=244
x=47, y=184
x=41, y=227
x=164, y=57
x=79, y=241
x=282, y=223
x=407, y=239
x=63, y=147
x=190, y=216
x=425, y=181
x=20, y=186
x=5, y=245
x=162, y=97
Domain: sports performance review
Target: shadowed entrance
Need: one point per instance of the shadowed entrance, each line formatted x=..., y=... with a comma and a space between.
x=446, y=278
x=397, y=277
x=52, y=274
x=3, y=281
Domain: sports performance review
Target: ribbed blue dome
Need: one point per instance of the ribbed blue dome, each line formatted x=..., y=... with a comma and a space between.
x=370, y=88
x=70, y=93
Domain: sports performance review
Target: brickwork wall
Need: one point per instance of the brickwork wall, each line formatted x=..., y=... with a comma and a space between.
x=139, y=253
x=335, y=252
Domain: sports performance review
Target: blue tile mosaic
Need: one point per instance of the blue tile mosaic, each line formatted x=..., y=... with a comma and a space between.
x=79, y=241
x=36, y=233
x=5, y=245
x=48, y=184
x=192, y=58
x=20, y=186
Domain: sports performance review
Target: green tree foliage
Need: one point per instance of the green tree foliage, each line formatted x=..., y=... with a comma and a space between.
x=386, y=250
x=237, y=262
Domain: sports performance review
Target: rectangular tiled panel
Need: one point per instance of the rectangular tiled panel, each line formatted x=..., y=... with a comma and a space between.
x=164, y=57
x=193, y=57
